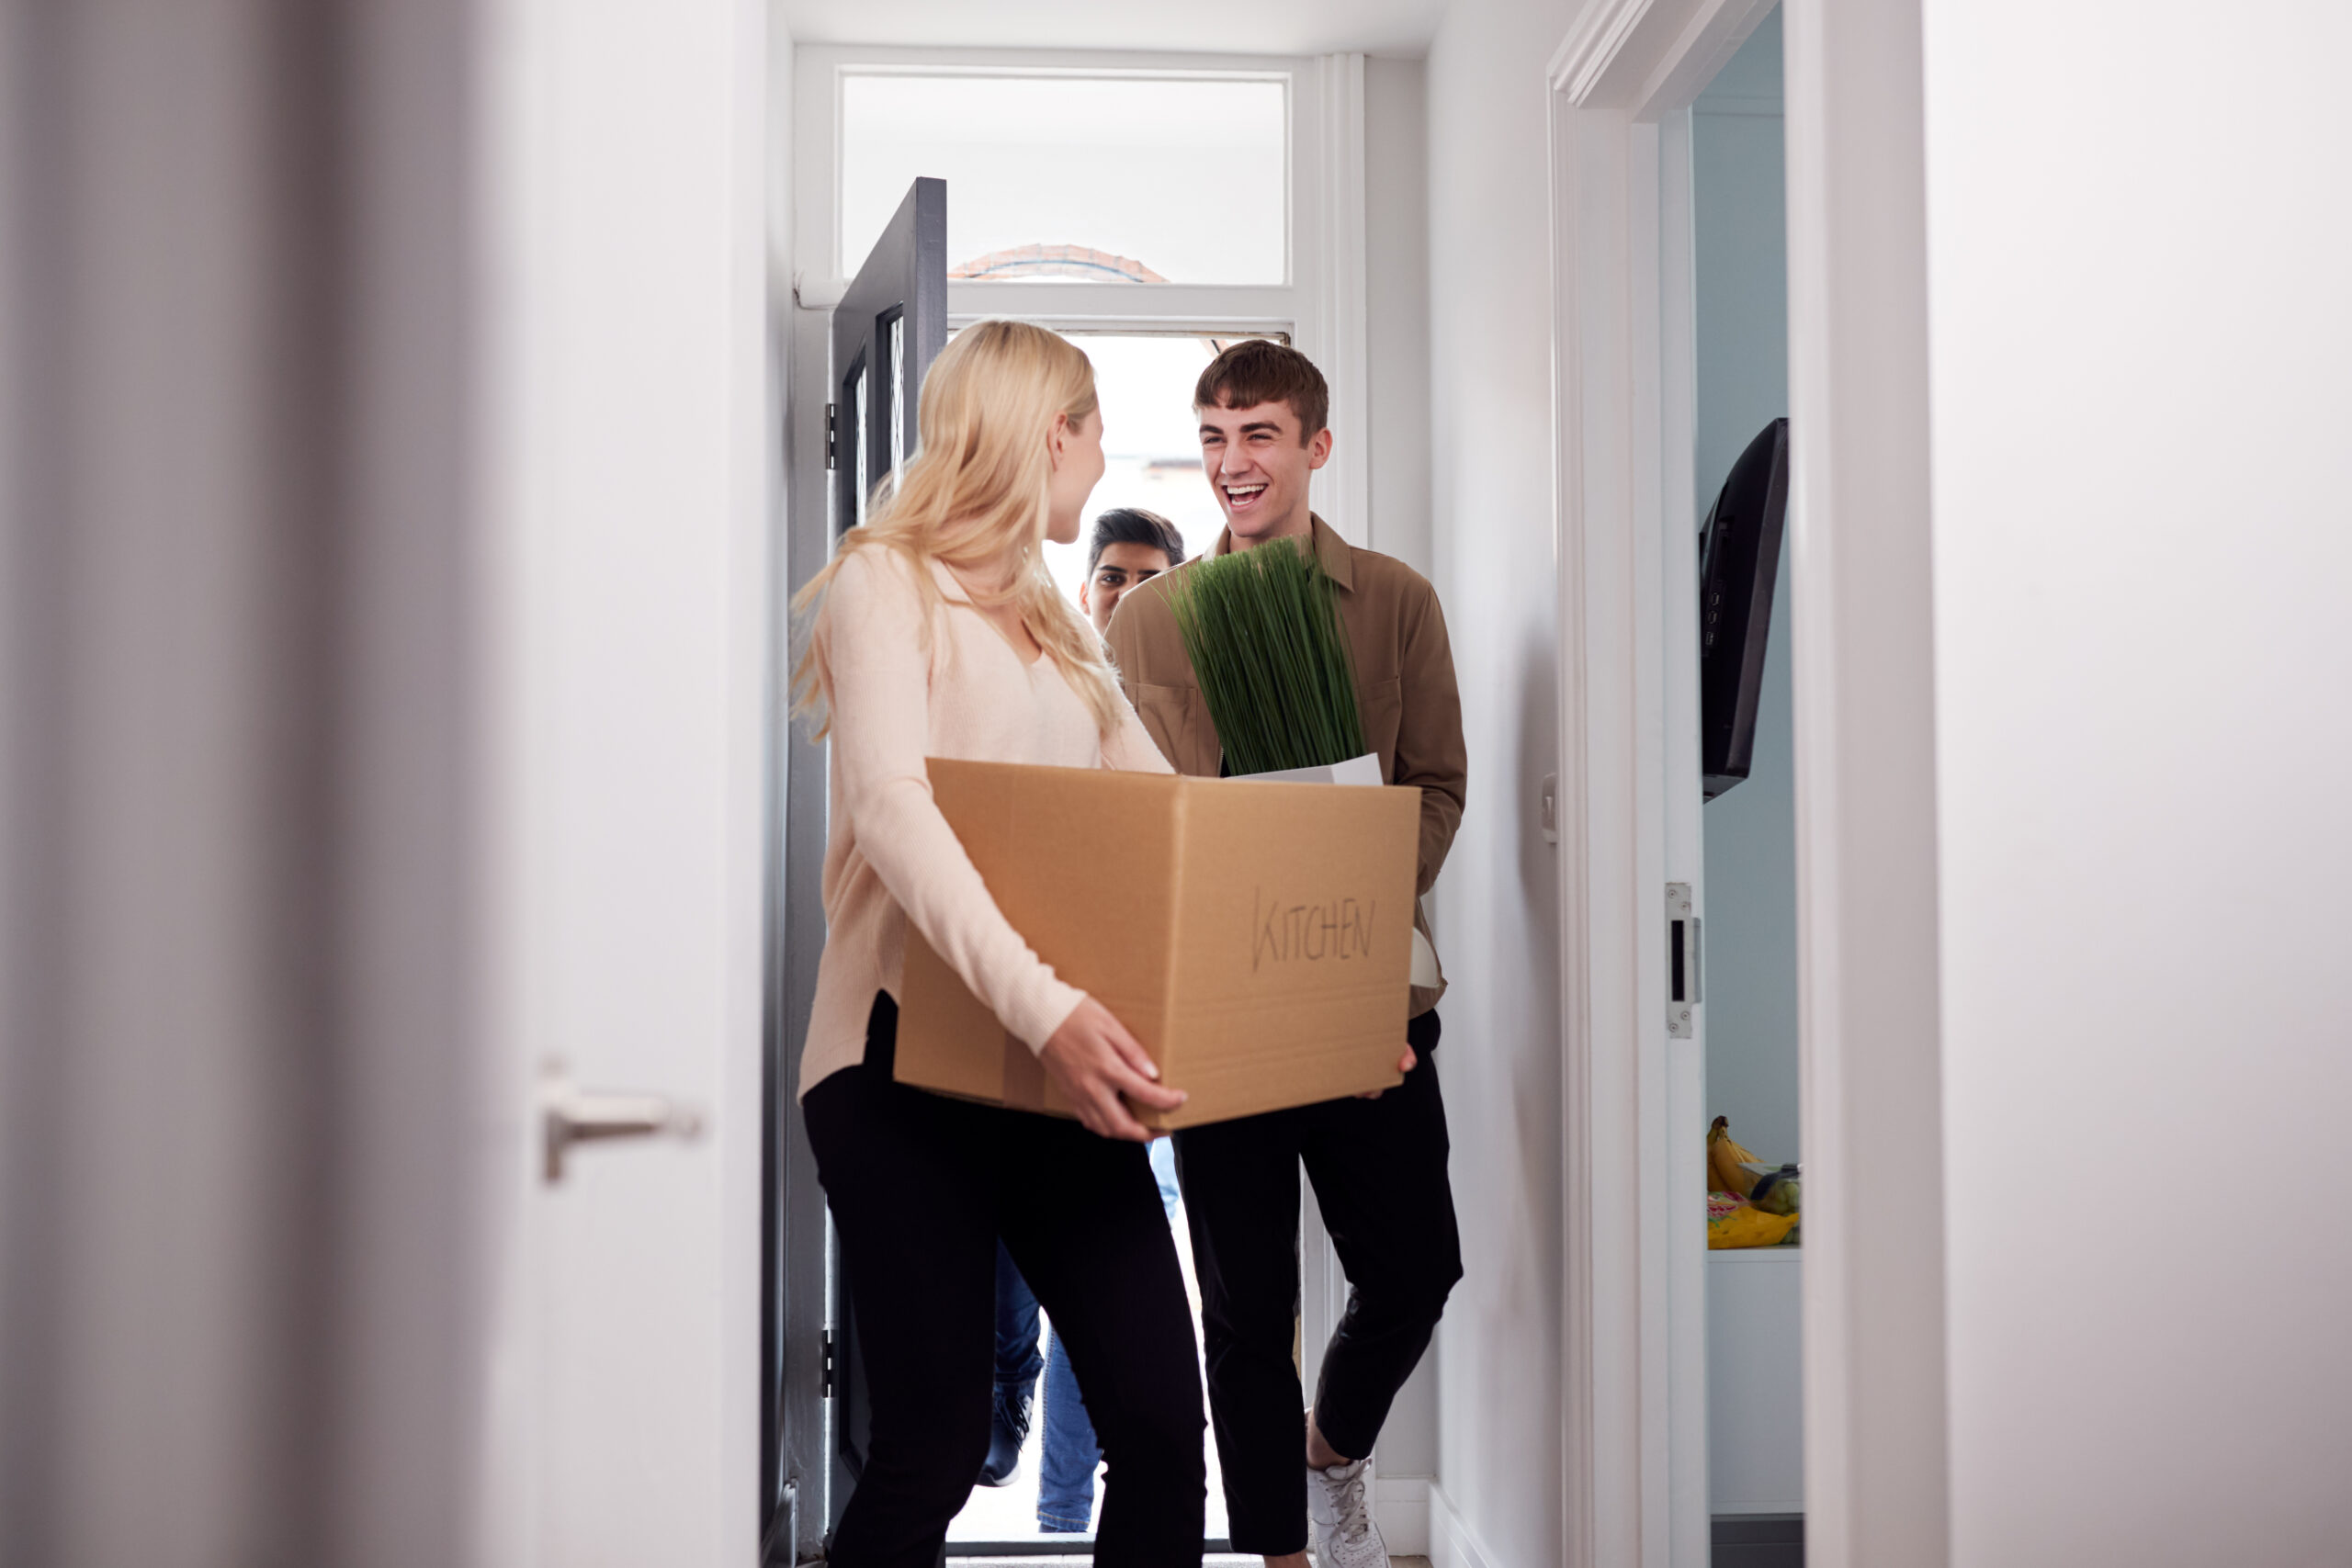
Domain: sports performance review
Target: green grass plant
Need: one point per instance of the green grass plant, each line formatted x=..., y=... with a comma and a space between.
x=1262, y=629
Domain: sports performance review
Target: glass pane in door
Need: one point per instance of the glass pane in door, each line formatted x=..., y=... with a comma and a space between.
x=858, y=424
x=898, y=392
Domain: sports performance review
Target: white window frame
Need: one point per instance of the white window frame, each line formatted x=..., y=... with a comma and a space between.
x=1321, y=306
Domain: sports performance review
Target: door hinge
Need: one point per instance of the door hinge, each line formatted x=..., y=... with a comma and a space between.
x=1682, y=959
x=832, y=436
x=828, y=1389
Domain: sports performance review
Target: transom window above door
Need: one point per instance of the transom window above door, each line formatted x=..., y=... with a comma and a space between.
x=1118, y=196
x=1112, y=179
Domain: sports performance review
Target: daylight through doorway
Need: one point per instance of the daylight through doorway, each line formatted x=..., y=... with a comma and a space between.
x=1151, y=446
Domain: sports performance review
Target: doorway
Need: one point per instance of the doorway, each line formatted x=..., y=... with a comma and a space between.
x=1144, y=382
x=889, y=325
x=1727, y=169
x=1637, y=1319
x=1064, y=206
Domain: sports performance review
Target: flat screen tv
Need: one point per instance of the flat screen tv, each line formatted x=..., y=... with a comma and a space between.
x=1739, y=558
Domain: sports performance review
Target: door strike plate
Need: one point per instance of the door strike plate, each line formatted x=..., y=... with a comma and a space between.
x=1682, y=960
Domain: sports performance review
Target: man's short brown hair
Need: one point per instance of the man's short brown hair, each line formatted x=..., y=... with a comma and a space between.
x=1264, y=371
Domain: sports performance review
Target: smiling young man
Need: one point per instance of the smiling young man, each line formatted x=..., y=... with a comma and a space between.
x=1379, y=1164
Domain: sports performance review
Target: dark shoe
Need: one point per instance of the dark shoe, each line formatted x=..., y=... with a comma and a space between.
x=1008, y=1430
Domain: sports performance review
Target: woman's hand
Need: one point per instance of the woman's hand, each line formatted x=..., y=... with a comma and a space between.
x=1093, y=1061
x=1404, y=1065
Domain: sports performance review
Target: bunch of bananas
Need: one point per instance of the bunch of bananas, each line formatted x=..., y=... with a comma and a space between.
x=1750, y=1204
x=1727, y=1162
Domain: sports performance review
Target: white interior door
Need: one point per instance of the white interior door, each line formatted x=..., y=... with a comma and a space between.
x=626, y=628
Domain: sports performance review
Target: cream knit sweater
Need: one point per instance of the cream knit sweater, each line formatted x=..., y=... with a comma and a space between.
x=896, y=697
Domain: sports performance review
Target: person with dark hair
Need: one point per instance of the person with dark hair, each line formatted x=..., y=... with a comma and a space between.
x=1128, y=545
x=1378, y=1163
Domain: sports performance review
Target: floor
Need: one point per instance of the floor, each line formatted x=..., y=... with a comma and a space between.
x=1759, y=1541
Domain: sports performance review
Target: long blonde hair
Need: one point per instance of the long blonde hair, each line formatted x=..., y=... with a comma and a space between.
x=974, y=493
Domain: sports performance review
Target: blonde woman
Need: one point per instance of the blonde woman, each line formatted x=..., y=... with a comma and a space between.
x=938, y=632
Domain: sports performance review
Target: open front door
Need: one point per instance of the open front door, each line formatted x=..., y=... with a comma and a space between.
x=889, y=326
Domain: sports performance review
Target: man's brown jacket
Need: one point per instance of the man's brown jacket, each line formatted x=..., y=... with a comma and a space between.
x=1404, y=669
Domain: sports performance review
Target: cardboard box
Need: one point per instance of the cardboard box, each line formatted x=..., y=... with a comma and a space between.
x=1256, y=937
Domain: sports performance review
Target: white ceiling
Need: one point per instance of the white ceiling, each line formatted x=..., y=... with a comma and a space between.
x=1203, y=27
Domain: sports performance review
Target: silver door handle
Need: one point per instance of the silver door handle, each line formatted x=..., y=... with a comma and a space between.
x=571, y=1115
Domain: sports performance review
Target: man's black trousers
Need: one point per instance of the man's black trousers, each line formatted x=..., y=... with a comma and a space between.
x=921, y=1188
x=1378, y=1167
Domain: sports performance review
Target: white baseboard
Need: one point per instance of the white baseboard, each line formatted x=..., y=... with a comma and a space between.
x=1453, y=1543
x=1401, y=1508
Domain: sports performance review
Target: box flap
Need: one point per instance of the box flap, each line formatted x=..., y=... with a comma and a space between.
x=1364, y=770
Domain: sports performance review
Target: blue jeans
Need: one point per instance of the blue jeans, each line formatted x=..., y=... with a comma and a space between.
x=1066, y=1482
x=1017, y=1360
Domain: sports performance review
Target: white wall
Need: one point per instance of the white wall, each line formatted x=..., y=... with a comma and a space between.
x=1497, y=902
x=1397, y=293
x=2140, y=327
x=1741, y=276
x=1396, y=304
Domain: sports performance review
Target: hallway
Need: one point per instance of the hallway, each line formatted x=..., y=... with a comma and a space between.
x=416, y=416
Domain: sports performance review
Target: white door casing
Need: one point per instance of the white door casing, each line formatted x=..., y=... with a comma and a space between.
x=1861, y=619
x=1633, y=1422
x=1861, y=596
x=625, y=625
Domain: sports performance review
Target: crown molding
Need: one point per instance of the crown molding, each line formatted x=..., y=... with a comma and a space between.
x=1592, y=46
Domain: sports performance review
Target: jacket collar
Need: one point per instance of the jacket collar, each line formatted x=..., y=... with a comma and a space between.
x=1336, y=555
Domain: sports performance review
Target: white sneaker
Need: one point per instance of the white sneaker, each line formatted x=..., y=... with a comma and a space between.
x=1345, y=1536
